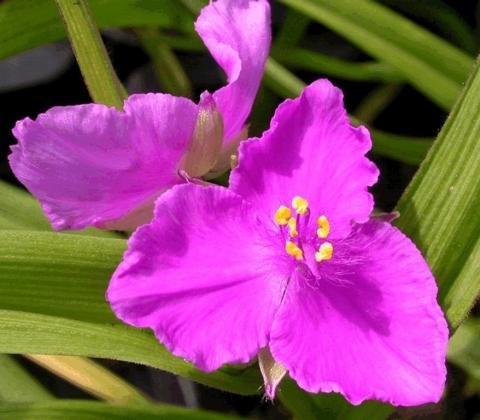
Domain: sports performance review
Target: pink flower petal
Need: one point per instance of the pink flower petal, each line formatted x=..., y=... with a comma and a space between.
x=372, y=331
x=238, y=35
x=93, y=165
x=312, y=151
x=203, y=275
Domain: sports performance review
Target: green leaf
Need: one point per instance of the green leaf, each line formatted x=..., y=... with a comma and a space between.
x=376, y=101
x=464, y=347
x=24, y=332
x=20, y=211
x=429, y=63
x=326, y=65
x=92, y=57
x=58, y=274
x=440, y=208
x=93, y=410
x=333, y=406
x=445, y=18
x=28, y=24
x=52, y=289
x=405, y=149
x=17, y=385
x=292, y=30
x=89, y=376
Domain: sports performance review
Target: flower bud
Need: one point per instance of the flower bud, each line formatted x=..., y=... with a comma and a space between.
x=207, y=139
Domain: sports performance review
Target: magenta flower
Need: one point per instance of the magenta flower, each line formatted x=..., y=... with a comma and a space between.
x=288, y=262
x=93, y=165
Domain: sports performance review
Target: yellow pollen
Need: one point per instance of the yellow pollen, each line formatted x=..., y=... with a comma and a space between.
x=282, y=215
x=300, y=205
x=323, y=227
x=293, y=250
x=292, y=227
x=325, y=252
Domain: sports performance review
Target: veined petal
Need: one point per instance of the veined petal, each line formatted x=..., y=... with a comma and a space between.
x=93, y=165
x=373, y=331
x=204, y=275
x=311, y=150
x=238, y=35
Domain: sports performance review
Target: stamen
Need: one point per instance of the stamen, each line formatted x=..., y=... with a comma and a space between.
x=300, y=205
x=282, y=215
x=325, y=252
x=323, y=227
x=293, y=250
x=292, y=227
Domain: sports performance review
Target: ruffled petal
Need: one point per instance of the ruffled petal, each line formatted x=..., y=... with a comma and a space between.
x=93, y=165
x=238, y=35
x=203, y=275
x=373, y=331
x=311, y=150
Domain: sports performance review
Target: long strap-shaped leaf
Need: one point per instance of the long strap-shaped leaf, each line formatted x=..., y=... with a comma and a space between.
x=92, y=410
x=52, y=290
x=28, y=24
x=440, y=208
x=17, y=385
x=433, y=66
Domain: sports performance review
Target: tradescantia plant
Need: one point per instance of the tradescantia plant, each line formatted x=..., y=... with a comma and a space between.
x=287, y=266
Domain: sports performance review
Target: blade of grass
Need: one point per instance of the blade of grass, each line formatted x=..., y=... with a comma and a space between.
x=445, y=18
x=17, y=385
x=52, y=290
x=429, y=63
x=330, y=406
x=464, y=347
x=20, y=211
x=440, y=207
x=90, y=377
x=27, y=24
x=24, y=332
x=92, y=57
x=303, y=59
x=376, y=101
x=292, y=30
x=93, y=410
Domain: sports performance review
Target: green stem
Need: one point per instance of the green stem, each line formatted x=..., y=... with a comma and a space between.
x=92, y=57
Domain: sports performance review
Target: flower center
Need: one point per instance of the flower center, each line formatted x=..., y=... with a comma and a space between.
x=290, y=223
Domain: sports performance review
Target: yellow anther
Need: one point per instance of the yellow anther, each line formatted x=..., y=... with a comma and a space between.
x=300, y=205
x=292, y=227
x=282, y=215
x=293, y=250
x=325, y=252
x=323, y=227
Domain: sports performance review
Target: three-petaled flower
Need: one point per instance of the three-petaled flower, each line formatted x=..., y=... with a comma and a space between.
x=288, y=263
x=90, y=165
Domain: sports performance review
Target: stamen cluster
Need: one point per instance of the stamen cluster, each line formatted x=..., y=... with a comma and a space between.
x=293, y=246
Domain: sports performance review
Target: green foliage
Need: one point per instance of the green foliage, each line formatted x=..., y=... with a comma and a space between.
x=97, y=70
x=28, y=24
x=91, y=410
x=440, y=207
x=52, y=285
x=17, y=385
x=52, y=301
x=433, y=66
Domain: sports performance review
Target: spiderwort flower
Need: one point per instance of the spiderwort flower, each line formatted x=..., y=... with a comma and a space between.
x=94, y=165
x=287, y=263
